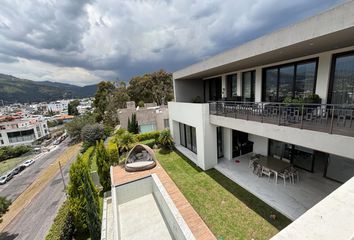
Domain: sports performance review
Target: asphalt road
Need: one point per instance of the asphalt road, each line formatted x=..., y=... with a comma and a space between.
x=35, y=221
x=21, y=181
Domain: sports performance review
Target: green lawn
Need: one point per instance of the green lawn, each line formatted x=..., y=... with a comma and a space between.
x=11, y=163
x=229, y=210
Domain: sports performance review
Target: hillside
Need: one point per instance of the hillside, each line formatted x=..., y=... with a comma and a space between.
x=14, y=89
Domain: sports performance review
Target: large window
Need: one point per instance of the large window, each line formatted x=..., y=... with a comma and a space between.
x=295, y=80
x=21, y=136
x=342, y=79
x=231, y=86
x=248, y=82
x=188, y=137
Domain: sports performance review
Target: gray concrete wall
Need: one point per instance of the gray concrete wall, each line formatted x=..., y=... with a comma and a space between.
x=144, y=116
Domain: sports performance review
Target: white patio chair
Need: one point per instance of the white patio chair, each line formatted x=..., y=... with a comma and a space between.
x=284, y=175
x=267, y=172
x=293, y=172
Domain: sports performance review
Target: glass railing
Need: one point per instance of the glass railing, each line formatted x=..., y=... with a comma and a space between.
x=330, y=118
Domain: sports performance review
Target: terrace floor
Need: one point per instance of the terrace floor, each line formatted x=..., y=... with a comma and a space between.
x=199, y=229
x=291, y=200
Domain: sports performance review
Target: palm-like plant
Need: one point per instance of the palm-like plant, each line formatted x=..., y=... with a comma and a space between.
x=165, y=138
x=125, y=141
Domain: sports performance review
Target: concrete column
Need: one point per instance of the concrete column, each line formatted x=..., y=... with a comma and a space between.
x=174, y=128
x=258, y=85
x=323, y=75
x=223, y=86
x=239, y=84
x=227, y=143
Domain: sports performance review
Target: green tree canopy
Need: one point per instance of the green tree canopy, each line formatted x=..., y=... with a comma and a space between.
x=91, y=133
x=4, y=206
x=103, y=96
x=72, y=107
x=152, y=87
x=75, y=126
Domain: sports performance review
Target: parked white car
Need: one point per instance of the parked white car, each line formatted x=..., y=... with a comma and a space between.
x=28, y=163
x=3, y=179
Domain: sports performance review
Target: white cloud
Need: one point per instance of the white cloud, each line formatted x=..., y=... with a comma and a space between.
x=86, y=41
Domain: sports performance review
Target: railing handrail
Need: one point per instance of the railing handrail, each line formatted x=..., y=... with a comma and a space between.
x=286, y=104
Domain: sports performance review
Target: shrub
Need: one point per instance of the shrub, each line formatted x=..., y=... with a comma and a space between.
x=80, y=183
x=149, y=135
x=12, y=152
x=88, y=155
x=141, y=103
x=165, y=138
x=62, y=227
x=125, y=142
x=4, y=206
x=103, y=165
x=113, y=153
x=149, y=142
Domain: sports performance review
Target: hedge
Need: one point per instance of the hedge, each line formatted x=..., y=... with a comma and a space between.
x=149, y=142
x=12, y=152
x=87, y=156
x=62, y=227
x=112, y=150
x=147, y=136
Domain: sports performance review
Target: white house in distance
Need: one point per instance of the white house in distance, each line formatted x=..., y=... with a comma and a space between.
x=22, y=131
x=242, y=110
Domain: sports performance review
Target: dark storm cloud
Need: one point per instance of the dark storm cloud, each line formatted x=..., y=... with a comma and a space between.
x=110, y=39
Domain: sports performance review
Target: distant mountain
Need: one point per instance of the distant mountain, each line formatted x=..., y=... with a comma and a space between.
x=14, y=89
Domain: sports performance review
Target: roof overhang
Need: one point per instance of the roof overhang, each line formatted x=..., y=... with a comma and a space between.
x=328, y=31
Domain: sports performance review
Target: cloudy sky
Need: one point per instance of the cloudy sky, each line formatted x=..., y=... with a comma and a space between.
x=85, y=41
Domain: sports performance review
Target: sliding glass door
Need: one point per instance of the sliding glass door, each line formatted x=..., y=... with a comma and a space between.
x=248, y=86
x=188, y=138
x=295, y=80
x=342, y=79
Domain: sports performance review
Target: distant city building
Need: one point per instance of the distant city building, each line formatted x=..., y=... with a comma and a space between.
x=58, y=106
x=22, y=131
x=150, y=117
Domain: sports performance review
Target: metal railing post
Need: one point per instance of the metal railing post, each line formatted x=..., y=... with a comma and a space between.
x=279, y=115
x=302, y=117
x=262, y=107
x=332, y=120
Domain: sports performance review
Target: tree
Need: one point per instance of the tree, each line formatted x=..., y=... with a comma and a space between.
x=103, y=96
x=161, y=86
x=91, y=133
x=165, y=138
x=116, y=101
x=4, y=206
x=75, y=126
x=103, y=165
x=80, y=182
x=152, y=87
x=133, y=125
x=72, y=107
x=92, y=211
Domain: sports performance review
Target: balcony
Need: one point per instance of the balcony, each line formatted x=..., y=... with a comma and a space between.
x=329, y=118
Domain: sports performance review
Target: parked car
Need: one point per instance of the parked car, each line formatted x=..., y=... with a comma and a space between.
x=18, y=169
x=28, y=163
x=4, y=179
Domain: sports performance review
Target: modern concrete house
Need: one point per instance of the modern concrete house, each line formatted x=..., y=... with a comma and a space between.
x=250, y=105
x=150, y=117
x=22, y=131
